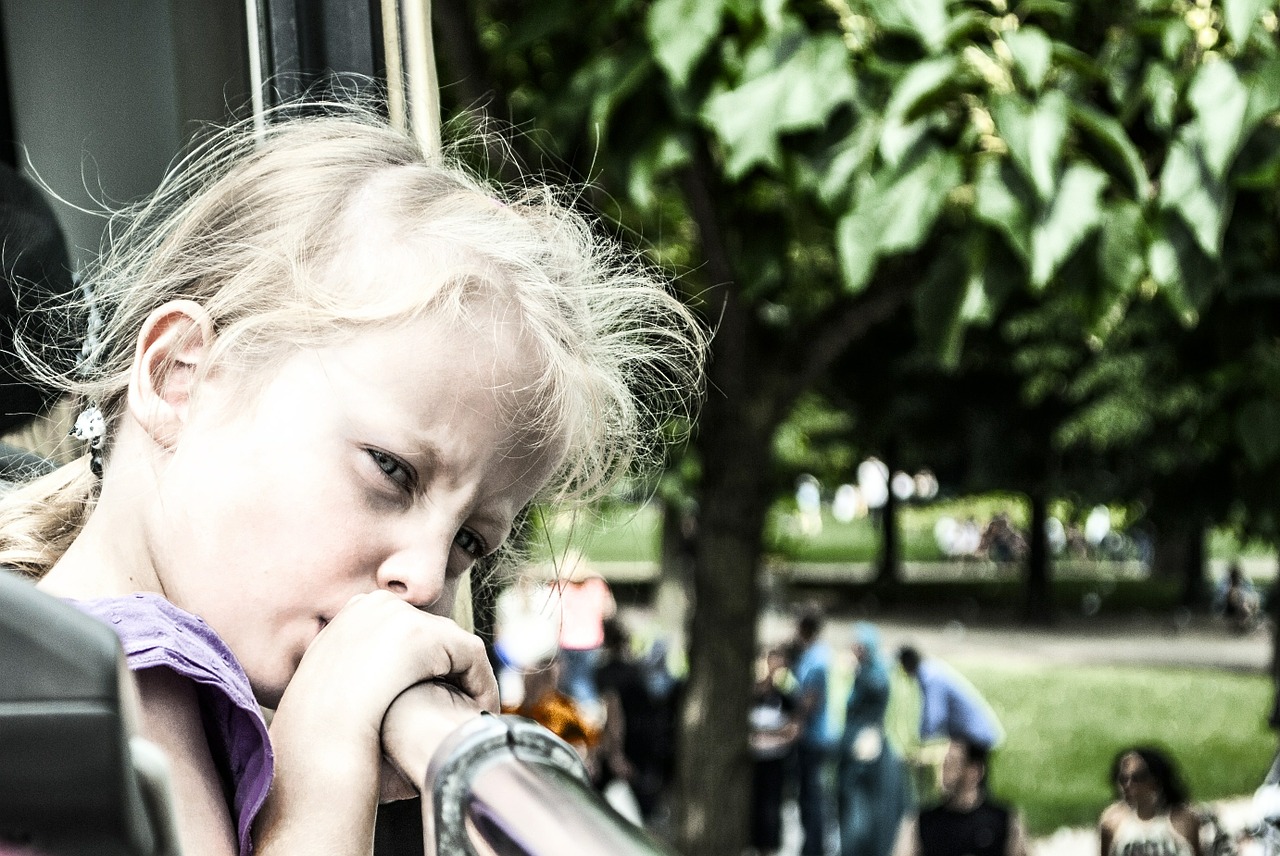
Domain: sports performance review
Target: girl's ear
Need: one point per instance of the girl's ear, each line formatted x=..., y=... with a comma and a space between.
x=173, y=345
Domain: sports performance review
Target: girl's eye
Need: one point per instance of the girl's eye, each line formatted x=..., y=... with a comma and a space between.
x=393, y=468
x=471, y=543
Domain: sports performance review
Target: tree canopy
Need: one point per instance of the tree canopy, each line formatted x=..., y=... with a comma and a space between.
x=1082, y=191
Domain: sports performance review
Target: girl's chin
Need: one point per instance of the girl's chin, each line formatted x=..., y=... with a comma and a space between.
x=267, y=693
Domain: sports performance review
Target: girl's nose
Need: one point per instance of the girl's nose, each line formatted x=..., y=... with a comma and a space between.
x=417, y=576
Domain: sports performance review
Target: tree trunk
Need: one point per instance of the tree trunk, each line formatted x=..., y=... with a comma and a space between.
x=889, y=566
x=1195, y=588
x=734, y=445
x=671, y=593
x=1038, y=604
x=713, y=768
x=1179, y=553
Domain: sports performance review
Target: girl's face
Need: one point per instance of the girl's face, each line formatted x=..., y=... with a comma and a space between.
x=392, y=461
x=1137, y=786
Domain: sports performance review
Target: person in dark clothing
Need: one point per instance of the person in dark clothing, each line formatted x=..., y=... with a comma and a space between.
x=774, y=730
x=637, y=742
x=967, y=822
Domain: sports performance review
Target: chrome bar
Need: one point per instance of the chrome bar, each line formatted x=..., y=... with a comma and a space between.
x=506, y=786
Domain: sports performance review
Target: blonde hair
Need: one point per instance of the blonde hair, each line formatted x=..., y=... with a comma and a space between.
x=260, y=230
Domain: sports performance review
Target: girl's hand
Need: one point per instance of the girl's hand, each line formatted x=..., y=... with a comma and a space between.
x=327, y=729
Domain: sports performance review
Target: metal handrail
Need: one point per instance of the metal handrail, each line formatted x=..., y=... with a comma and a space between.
x=505, y=785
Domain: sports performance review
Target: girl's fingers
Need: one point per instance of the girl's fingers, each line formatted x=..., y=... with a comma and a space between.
x=423, y=646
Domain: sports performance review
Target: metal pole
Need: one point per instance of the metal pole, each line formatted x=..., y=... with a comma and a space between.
x=423, y=89
x=504, y=785
x=257, y=60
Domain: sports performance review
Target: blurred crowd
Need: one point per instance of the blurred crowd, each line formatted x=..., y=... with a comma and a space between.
x=905, y=771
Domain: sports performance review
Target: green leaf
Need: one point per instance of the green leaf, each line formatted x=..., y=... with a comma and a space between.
x=607, y=80
x=1121, y=260
x=1256, y=424
x=858, y=238
x=797, y=94
x=940, y=300
x=927, y=20
x=1035, y=134
x=669, y=152
x=1240, y=17
x=680, y=31
x=1003, y=200
x=967, y=26
x=1175, y=38
x=1188, y=187
x=1257, y=167
x=1108, y=131
x=1072, y=215
x=1263, y=84
x=898, y=139
x=1160, y=88
x=1032, y=51
x=845, y=161
x=1220, y=102
x=1063, y=10
x=1185, y=275
x=921, y=83
x=915, y=198
x=1122, y=56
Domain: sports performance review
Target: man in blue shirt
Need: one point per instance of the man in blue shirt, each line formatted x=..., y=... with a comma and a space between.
x=950, y=706
x=812, y=670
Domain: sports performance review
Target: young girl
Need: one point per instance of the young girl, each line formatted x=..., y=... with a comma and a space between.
x=329, y=376
x=1153, y=813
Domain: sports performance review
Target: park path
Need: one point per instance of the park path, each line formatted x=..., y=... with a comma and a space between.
x=1199, y=641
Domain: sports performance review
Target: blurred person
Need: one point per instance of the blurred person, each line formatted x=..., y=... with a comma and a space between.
x=966, y=822
x=950, y=707
x=526, y=626
x=773, y=736
x=812, y=673
x=545, y=704
x=585, y=602
x=1000, y=542
x=1152, y=815
x=1236, y=600
x=636, y=744
x=873, y=787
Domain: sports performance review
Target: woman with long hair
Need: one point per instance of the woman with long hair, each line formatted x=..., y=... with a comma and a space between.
x=1152, y=816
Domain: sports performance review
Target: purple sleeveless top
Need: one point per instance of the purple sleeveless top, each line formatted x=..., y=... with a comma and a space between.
x=155, y=633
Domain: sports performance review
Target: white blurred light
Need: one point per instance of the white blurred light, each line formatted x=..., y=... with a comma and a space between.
x=926, y=485
x=946, y=532
x=808, y=495
x=1097, y=525
x=904, y=486
x=873, y=481
x=1056, y=534
x=845, y=504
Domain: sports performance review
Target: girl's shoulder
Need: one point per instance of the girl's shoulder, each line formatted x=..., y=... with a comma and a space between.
x=1186, y=820
x=1113, y=814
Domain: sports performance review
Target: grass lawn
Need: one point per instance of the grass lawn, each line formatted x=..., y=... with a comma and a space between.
x=1065, y=723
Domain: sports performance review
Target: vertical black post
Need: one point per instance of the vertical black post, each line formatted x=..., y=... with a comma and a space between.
x=1038, y=605
x=889, y=571
x=8, y=134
